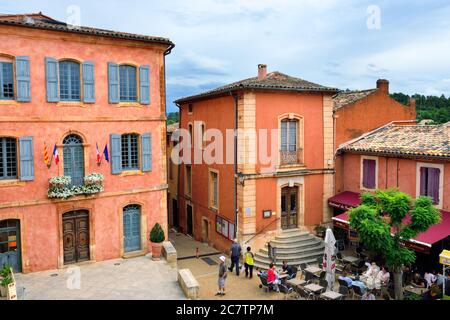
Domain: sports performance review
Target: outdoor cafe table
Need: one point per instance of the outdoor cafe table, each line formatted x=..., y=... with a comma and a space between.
x=331, y=295
x=350, y=259
x=314, y=288
x=313, y=269
x=418, y=291
x=296, y=282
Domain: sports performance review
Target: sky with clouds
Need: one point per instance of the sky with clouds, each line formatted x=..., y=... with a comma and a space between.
x=327, y=42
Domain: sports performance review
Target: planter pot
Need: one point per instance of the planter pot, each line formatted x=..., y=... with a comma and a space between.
x=3, y=291
x=156, y=250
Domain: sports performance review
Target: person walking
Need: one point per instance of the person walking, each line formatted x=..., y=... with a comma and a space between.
x=222, y=276
x=236, y=251
x=249, y=263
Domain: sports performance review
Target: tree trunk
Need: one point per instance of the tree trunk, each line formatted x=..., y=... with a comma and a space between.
x=398, y=283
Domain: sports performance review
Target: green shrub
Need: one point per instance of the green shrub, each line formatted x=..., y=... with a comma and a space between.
x=157, y=234
x=5, y=271
x=6, y=281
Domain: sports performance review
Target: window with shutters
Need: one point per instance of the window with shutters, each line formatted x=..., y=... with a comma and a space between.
x=188, y=180
x=291, y=151
x=69, y=81
x=6, y=81
x=73, y=156
x=430, y=182
x=369, y=172
x=191, y=134
x=130, y=151
x=128, y=83
x=213, y=189
x=8, y=158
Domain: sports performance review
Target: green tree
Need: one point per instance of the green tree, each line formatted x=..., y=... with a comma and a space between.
x=385, y=211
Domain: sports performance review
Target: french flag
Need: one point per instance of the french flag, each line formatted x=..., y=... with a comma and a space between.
x=99, y=158
x=56, y=154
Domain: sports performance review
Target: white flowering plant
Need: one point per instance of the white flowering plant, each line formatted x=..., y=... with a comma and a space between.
x=60, y=186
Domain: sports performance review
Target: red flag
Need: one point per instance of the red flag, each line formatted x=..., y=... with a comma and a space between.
x=99, y=158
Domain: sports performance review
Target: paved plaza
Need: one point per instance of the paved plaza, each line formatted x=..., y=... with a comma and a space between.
x=131, y=279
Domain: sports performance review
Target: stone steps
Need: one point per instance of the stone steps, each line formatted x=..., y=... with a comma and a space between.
x=294, y=246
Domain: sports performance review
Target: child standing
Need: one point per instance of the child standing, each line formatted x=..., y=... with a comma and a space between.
x=249, y=263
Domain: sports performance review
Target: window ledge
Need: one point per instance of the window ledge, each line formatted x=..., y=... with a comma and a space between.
x=9, y=103
x=130, y=104
x=131, y=173
x=367, y=189
x=216, y=210
x=78, y=104
x=12, y=183
x=287, y=167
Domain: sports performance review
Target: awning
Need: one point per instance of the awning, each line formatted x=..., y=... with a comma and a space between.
x=434, y=234
x=345, y=200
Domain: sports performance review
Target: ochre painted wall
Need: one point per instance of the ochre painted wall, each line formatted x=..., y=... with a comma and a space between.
x=49, y=123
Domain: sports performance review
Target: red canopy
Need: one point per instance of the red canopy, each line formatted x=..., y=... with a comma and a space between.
x=434, y=234
x=345, y=200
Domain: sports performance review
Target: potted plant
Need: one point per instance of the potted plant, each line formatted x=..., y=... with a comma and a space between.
x=5, y=280
x=157, y=237
x=320, y=231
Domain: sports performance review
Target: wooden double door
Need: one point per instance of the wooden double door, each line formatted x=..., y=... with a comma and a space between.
x=289, y=208
x=76, y=236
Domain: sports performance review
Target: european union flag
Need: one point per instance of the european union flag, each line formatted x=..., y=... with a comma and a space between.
x=106, y=153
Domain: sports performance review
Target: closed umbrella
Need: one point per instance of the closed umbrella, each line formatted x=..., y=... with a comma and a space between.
x=329, y=258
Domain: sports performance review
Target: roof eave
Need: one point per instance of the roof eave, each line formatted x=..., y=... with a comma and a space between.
x=258, y=88
x=397, y=154
x=132, y=37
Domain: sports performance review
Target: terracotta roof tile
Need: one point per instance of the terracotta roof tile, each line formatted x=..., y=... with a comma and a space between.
x=273, y=81
x=40, y=21
x=407, y=140
x=347, y=97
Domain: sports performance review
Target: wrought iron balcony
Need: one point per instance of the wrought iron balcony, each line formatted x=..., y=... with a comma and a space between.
x=291, y=157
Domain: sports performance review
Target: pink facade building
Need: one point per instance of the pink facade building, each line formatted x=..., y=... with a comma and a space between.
x=79, y=89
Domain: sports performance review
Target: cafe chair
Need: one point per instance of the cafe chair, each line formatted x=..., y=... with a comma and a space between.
x=323, y=283
x=344, y=291
x=305, y=294
x=357, y=292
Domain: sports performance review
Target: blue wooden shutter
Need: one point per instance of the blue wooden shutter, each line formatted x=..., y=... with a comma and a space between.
x=88, y=82
x=26, y=159
x=116, y=153
x=146, y=144
x=51, y=78
x=113, y=82
x=23, y=79
x=144, y=90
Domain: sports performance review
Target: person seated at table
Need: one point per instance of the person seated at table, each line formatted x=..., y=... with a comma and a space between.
x=418, y=281
x=347, y=279
x=287, y=269
x=430, y=278
x=433, y=294
x=273, y=278
x=369, y=295
x=358, y=283
x=440, y=278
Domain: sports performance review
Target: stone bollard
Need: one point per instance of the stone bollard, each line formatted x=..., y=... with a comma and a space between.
x=170, y=254
x=188, y=284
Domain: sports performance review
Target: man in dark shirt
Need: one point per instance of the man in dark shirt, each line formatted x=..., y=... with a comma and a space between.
x=287, y=269
x=235, y=255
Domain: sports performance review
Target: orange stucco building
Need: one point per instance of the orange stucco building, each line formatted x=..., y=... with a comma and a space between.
x=246, y=196
x=359, y=112
x=76, y=88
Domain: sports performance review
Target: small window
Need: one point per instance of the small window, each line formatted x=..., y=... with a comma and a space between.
x=430, y=183
x=8, y=158
x=369, y=174
x=130, y=152
x=69, y=77
x=188, y=180
x=191, y=134
x=190, y=107
x=213, y=189
x=6, y=81
x=128, y=92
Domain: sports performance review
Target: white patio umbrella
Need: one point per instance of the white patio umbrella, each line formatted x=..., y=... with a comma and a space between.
x=329, y=258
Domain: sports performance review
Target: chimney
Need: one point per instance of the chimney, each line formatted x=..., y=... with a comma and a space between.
x=383, y=86
x=262, y=71
x=412, y=103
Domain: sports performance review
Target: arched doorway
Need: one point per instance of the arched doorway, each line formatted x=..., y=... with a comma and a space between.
x=289, y=207
x=74, y=159
x=76, y=236
x=10, y=252
x=132, y=228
